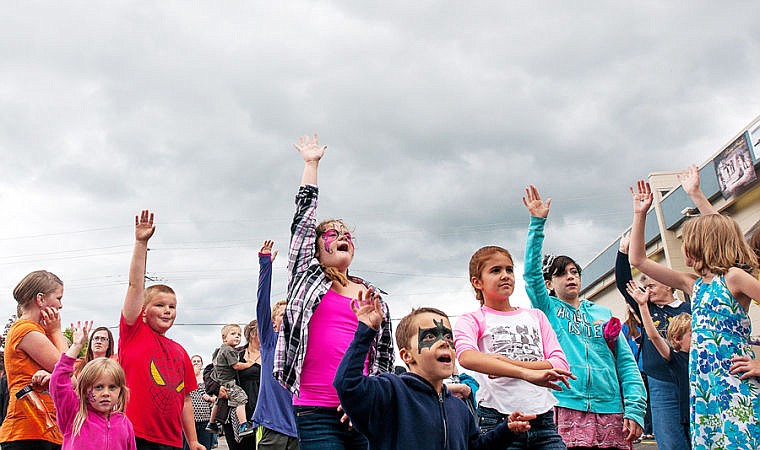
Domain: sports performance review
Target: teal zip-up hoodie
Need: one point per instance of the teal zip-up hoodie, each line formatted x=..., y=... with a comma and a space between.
x=601, y=375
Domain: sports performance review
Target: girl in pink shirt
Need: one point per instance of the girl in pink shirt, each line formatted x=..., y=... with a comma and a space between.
x=92, y=416
x=516, y=347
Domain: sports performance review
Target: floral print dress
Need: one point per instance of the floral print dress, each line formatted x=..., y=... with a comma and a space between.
x=725, y=411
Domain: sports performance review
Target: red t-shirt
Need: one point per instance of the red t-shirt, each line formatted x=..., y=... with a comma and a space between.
x=159, y=376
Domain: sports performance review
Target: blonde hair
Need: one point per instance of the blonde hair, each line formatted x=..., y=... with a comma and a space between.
x=152, y=291
x=37, y=282
x=677, y=327
x=277, y=307
x=90, y=373
x=228, y=328
x=715, y=244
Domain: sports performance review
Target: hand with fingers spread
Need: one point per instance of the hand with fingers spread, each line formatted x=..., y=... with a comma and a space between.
x=310, y=149
x=633, y=289
x=79, y=333
x=745, y=365
x=689, y=179
x=519, y=422
x=536, y=206
x=344, y=418
x=144, y=227
x=368, y=309
x=642, y=197
x=266, y=249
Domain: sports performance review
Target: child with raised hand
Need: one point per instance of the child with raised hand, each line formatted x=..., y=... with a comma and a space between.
x=725, y=403
x=413, y=410
x=92, y=416
x=158, y=370
x=674, y=350
x=274, y=410
x=605, y=405
x=663, y=389
x=318, y=323
x=516, y=347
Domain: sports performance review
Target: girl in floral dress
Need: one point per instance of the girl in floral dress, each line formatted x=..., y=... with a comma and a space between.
x=723, y=371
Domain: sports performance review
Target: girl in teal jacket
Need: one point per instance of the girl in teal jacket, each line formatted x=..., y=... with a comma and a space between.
x=605, y=405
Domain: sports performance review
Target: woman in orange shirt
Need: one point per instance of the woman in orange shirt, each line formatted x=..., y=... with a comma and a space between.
x=33, y=345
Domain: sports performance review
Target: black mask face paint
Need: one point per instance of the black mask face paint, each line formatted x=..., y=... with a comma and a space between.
x=427, y=337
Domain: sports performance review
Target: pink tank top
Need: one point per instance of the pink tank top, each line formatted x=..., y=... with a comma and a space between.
x=331, y=330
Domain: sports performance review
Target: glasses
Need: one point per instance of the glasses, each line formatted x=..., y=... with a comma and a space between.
x=197, y=363
x=100, y=339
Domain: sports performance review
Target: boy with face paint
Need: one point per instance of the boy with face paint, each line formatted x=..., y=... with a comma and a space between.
x=414, y=409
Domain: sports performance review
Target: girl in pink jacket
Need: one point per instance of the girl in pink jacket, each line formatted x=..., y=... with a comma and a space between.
x=91, y=416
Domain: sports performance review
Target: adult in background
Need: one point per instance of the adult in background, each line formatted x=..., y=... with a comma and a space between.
x=101, y=345
x=201, y=404
x=33, y=345
x=663, y=390
x=249, y=379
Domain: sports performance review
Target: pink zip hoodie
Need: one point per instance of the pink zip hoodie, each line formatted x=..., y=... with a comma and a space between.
x=99, y=432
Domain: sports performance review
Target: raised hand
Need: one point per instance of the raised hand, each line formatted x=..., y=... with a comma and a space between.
x=266, y=249
x=642, y=197
x=368, y=309
x=144, y=227
x=689, y=179
x=625, y=241
x=633, y=289
x=80, y=332
x=310, y=149
x=536, y=206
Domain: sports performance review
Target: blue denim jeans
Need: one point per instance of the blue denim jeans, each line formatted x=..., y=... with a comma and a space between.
x=320, y=428
x=542, y=434
x=666, y=415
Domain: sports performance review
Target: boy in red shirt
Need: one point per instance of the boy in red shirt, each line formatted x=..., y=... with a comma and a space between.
x=158, y=371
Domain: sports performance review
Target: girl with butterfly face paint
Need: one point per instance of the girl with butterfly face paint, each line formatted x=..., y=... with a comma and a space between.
x=318, y=323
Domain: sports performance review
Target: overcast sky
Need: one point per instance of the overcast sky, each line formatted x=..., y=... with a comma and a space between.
x=436, y=116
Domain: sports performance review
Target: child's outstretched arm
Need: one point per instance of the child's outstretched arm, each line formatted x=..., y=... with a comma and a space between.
x=642, y=200
x=133, y=302
x=79, y=335
x=311, y=152
x=263, y=292
x=690, y=181
x=541, y=373
x=642, y=299
x=534, y=279
x=61, y=390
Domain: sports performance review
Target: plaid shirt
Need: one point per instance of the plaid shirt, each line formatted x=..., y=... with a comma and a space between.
x=307, y=283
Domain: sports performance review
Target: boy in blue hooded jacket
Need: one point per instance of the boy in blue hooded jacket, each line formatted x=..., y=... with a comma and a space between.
x=412, y=410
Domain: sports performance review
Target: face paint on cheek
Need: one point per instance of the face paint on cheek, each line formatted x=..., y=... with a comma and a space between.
x=90, y=396
x=427, y=337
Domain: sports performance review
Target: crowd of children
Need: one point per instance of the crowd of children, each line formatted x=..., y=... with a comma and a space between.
x=558, y=375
